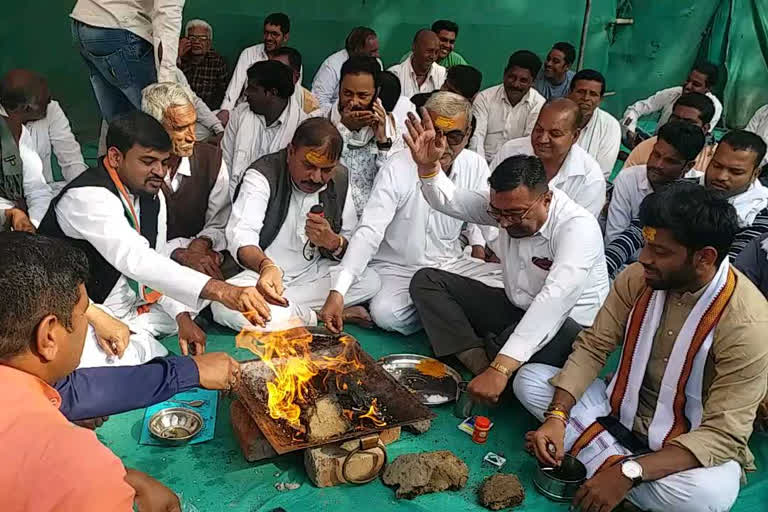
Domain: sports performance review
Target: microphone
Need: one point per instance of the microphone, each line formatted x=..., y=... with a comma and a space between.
x=317, y=210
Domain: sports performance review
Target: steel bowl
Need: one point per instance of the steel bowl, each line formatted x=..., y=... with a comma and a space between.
x=175, y=425
x=561, y=483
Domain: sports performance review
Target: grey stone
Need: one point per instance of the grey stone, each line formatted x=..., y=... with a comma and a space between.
x=419, y=427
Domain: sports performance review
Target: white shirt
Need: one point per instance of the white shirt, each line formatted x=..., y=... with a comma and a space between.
x=37, y=193
x=398, y=227
x=54, y=133
x=629, y=189
x=248, y=58
x=601, y=138
x=247, y=137
x=156, y=21
x=759, y=125
x=498, y=121
x=97, y=215
x=325, y=85
x=575, y=285
x=408, y=84
x=663, y=100
x=287, y=249
x=580, y=175
x=216, y=213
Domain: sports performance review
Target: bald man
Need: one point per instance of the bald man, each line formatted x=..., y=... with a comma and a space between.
x=421, y=72
x=24, y=194
x=47, y=123
x=568, y=166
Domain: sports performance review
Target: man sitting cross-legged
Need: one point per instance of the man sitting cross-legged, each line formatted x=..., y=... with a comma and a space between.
x=670, y=431
x=196, y=187
x=290, y=252
x=399, y=233
x=551, y=254
x=116, y=213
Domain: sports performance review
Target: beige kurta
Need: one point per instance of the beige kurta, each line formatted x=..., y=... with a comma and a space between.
x=734, y=377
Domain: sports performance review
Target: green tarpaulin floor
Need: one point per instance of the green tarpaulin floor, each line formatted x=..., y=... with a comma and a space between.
x=213, y=476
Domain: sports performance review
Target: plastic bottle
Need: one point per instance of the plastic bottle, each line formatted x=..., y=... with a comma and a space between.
x=482, y=426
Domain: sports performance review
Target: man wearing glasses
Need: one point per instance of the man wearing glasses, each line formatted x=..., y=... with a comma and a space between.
x=204, y=68
x=551, y=253
x=568, y=166
x=399, y=233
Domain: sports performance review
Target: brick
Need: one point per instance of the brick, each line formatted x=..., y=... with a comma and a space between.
x=254, y=445
x=324, y=463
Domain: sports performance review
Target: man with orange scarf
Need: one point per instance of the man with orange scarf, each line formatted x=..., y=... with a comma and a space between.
x=670, y=430
x=116, y=213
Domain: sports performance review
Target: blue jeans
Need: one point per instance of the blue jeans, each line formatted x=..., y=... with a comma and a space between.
x=120, y=63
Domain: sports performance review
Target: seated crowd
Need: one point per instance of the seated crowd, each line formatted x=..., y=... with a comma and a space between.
x=403, y=197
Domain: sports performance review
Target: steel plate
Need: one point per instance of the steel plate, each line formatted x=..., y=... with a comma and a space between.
x=428, y=389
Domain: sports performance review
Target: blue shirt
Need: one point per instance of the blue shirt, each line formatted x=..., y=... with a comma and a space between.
x=94, y=392
x=550, y=90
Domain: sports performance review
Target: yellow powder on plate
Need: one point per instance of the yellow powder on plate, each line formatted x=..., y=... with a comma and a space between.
x=432, y=368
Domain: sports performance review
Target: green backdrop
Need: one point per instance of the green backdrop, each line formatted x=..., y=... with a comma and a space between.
x=655, y=52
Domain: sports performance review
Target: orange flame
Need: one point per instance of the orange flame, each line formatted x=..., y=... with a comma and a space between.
x=288, y=354
x=374, y=414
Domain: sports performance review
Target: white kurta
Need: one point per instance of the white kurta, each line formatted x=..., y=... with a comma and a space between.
x=569, y=243
x=216, y=212
x=399, y=233
x=97, y=215
x=498, y=121
x=759, y=125
x=580, y=176
x=307, y=281
x=247, y=137
x=53, y=135
x=408, y=84
x=601, y=138
x=629, y=189
x=686, y=491
x=37, y=193
x=325, y=86
x=248, y=58
x=663, y=101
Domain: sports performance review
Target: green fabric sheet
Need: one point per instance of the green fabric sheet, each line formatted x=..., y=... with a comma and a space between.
x=214, y=476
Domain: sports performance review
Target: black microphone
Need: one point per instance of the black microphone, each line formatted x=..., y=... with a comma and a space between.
x=317, y=210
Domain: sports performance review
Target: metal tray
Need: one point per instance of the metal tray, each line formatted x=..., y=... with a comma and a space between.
x=428, y=389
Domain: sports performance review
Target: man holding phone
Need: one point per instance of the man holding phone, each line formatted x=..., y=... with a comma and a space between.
x=361, y=119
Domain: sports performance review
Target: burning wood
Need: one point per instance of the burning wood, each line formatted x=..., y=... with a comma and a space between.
x=317, y=394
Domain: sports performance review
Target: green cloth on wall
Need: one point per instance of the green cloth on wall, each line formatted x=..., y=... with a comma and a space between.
x=214, y=477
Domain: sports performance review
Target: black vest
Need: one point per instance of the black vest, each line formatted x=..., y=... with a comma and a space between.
x=274, y=167
x=103, y=276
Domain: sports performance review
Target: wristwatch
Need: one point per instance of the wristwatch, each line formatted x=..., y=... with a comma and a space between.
x=384, y=146
x=501, y=369
x=632, y=470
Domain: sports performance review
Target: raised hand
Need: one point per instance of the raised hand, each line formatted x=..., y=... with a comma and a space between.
x=426, y=145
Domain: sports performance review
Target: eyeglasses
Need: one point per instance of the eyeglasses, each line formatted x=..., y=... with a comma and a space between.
x=454, y=137
x=512, y=218
x=199, y=38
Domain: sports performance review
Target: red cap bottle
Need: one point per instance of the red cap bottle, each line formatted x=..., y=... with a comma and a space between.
x=482, y=426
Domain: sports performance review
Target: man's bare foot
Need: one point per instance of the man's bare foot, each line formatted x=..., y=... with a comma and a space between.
x=358, y=315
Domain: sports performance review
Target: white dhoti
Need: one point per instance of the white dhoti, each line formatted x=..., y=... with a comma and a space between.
x=712, y=489
x=145, y=328
x=306, y=294
x=392, y=308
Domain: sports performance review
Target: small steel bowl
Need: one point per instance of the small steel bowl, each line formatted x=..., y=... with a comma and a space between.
x=175, y=425
x=561, y=483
